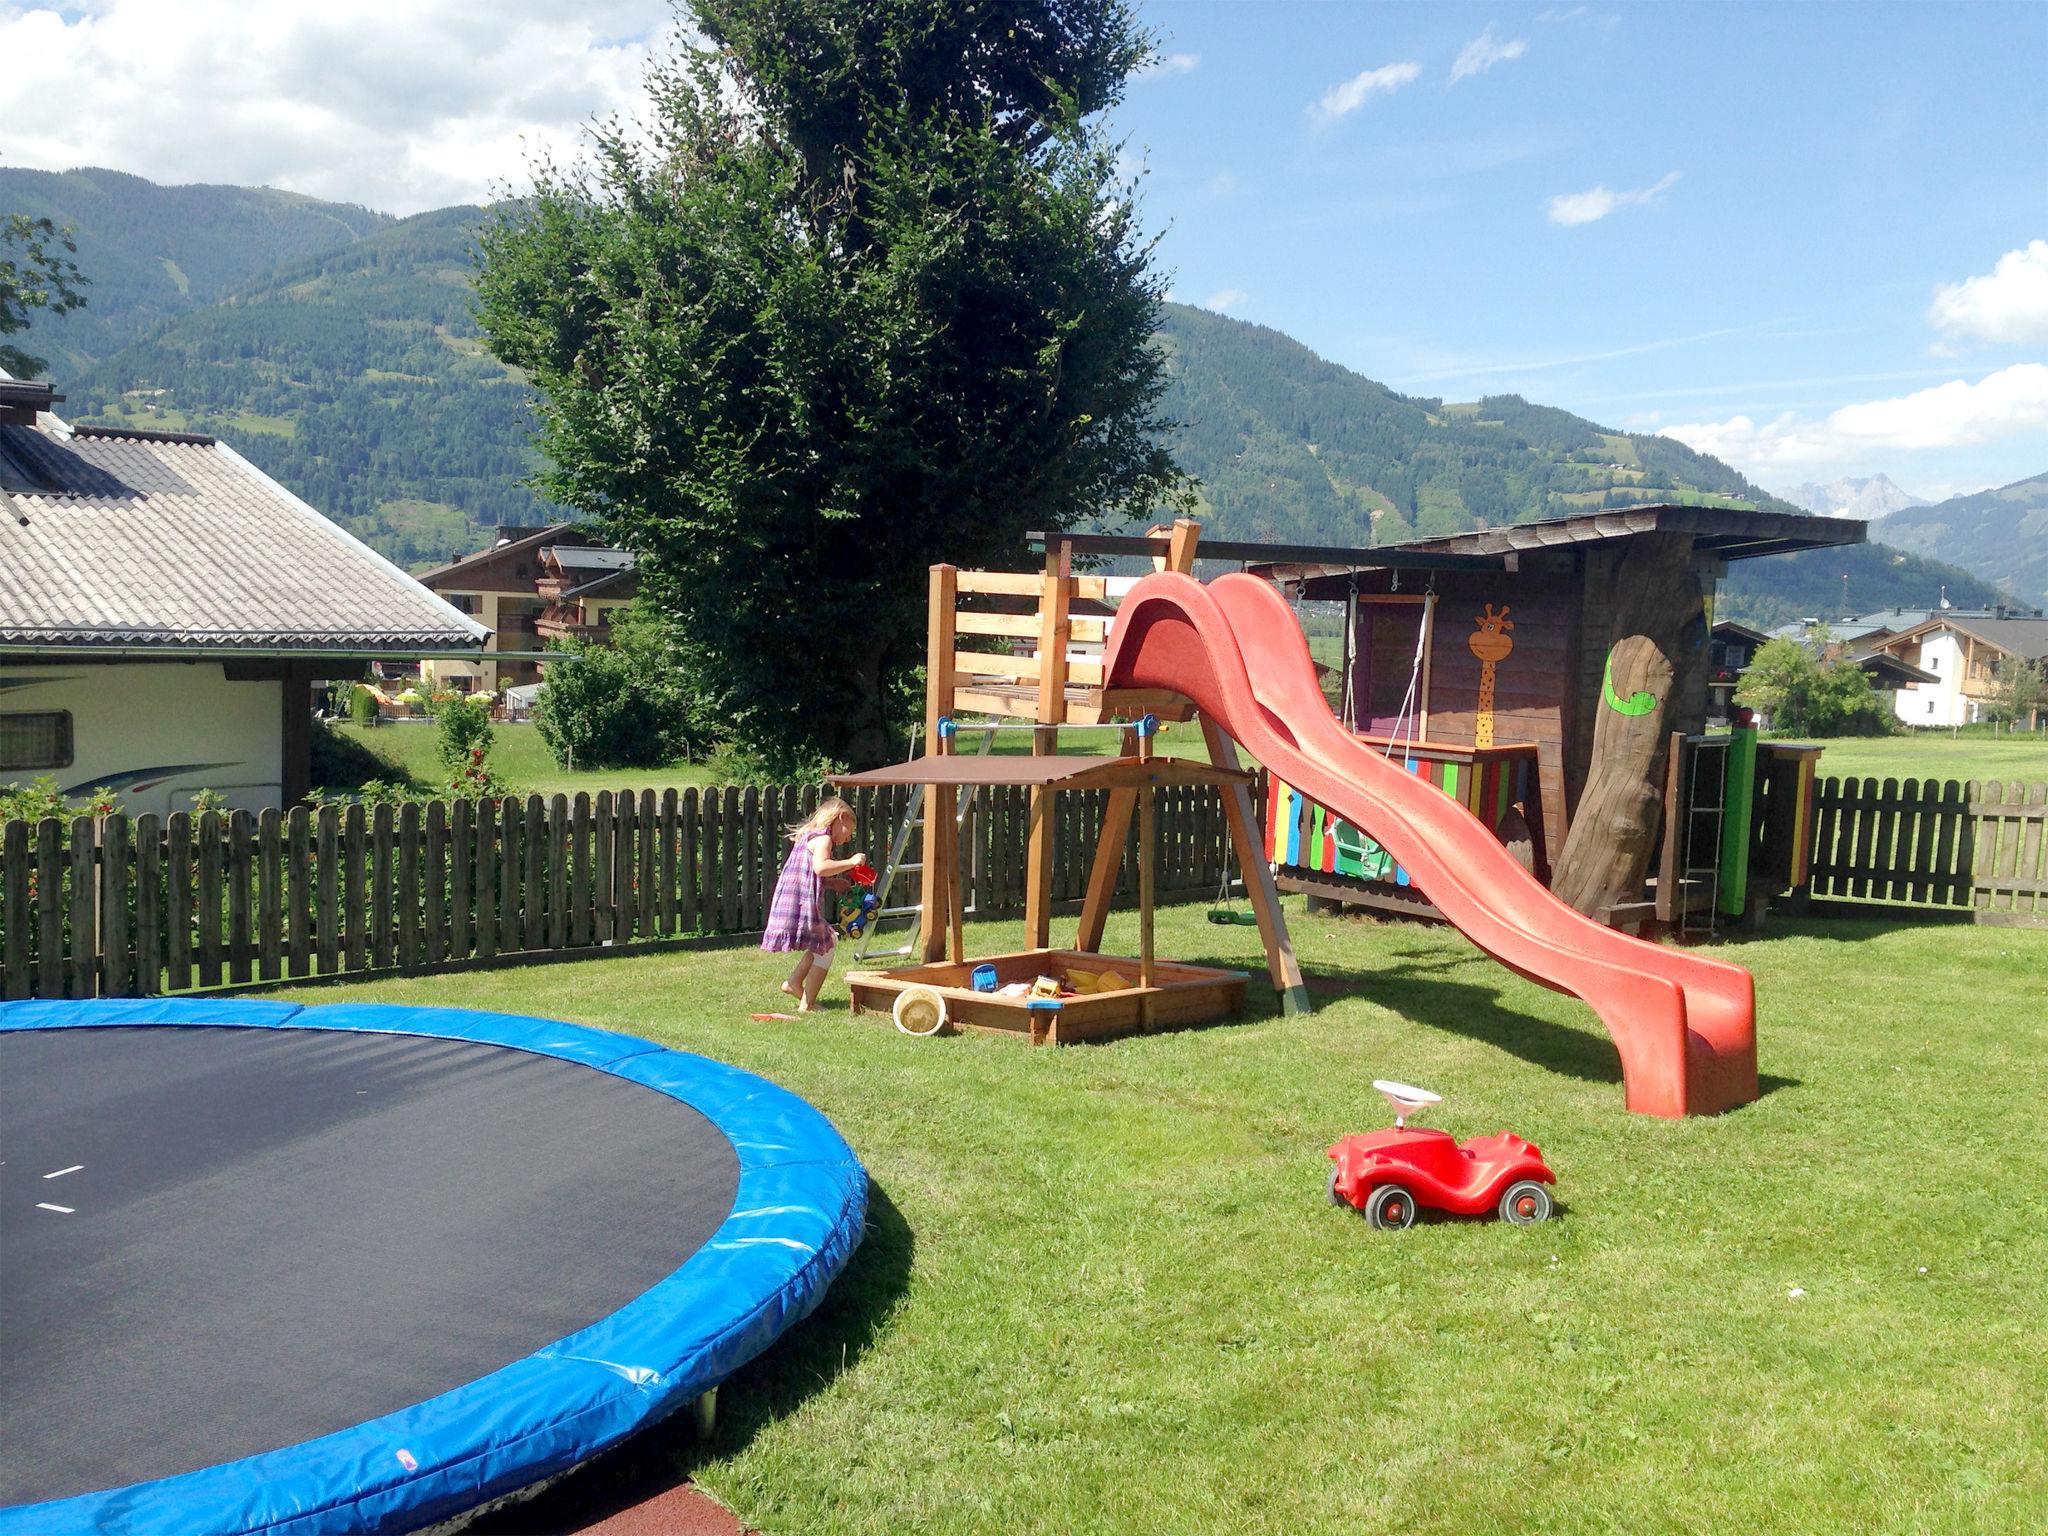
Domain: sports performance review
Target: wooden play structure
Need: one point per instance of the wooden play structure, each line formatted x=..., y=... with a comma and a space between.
x=1552, y=678
x=1063, y=616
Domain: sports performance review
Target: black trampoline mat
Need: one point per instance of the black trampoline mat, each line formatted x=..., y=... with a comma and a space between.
x=277, y=1233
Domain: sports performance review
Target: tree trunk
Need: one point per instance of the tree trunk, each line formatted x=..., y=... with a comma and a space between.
x=1654, y=659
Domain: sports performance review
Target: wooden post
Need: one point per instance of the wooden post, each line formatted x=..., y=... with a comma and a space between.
x=114, y=872
x=85, y=928
x=149, y=873
x=1181, y=540
x=14, y=866
x=50, y=907
x=436, y=914
x=940, y=801
x=1148, y=882
x=1281, y=963
x=409, y=885
x=270, y=895
x=1053, y=605
x=209, y=909
x=328, y=942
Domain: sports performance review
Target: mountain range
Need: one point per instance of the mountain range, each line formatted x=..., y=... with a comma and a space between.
x=1868, y=498
x=2000, y=535
x=336, y=348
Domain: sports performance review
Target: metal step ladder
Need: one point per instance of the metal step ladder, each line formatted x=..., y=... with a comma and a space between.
x=899, y=845
x=1702, y=817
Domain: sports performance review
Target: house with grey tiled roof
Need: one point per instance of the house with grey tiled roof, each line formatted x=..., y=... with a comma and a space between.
x=1958, y=656
x=166, y=609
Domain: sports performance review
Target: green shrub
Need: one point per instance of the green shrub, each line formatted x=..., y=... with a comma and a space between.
x=622, y=705
x=41, y=797
x=362, y=706
x=461, y=725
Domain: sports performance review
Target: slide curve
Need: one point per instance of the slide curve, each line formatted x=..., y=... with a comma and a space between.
x=1685, y=1025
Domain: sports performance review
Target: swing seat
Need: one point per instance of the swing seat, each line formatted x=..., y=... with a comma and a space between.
x=1224, y=917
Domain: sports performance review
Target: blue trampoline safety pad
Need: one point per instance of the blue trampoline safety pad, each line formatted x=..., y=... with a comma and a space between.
x=796, y=1213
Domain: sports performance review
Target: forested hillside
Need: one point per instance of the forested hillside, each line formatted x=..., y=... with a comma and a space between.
x=1290, y=447
x=1780, y=588
x=2000, y=535
x=358, y=380
x=355, y=374
x=151, y=252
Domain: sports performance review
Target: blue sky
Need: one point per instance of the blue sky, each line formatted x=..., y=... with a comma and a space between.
x=1809, y=238
x=1794, y=186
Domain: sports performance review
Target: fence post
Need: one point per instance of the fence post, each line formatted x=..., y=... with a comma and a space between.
x=461, y=864
x=329, y=915
x=50, y=877
x=149, y=887
x=381, y=946
x=15, y=872
x=409, y=886
x=298, y=890
x=270, y=894
x=536, y=835
x=115, y=968
x=84, y=913
x=435, y=877
x=179, y=889
x=240, y=865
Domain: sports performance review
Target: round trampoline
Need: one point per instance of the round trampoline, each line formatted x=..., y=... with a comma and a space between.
x=284, y=1269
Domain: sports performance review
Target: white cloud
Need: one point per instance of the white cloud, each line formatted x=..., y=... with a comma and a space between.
x=1225, y=298
x=1345, y=99
x=1571, y=208
x=400, y=104
x=1222, y=184
x=1171, y=64
x=1485, y=51
x=1957, y=414
x=2008, y=303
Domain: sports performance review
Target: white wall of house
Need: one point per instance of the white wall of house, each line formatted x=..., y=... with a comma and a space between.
x=155, y=733
x=1942, y=702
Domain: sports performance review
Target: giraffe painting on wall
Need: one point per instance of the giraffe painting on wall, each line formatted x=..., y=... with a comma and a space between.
x=1490, y=643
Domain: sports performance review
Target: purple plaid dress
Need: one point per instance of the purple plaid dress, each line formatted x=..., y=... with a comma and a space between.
x=796, y=916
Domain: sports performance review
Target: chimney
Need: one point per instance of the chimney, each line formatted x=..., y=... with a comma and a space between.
x=21, y=401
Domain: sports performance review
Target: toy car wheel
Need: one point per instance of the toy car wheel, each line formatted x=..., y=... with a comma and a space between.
x=1335, y=1198
x=1525, y=1202
x=1391, y=1208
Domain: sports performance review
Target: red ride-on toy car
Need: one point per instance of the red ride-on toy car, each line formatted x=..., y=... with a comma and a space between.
x=1390, y=1174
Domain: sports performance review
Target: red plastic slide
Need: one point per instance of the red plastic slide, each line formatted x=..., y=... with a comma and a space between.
x=1685, y=1025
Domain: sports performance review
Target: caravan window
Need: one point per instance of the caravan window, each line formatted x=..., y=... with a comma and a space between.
x=36, y=741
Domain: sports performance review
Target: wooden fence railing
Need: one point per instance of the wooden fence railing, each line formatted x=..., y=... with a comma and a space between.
x=1978, y=847
x=118, y=906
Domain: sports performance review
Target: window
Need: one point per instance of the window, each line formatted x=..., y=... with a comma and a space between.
x=36, y=741
x=1930, y=706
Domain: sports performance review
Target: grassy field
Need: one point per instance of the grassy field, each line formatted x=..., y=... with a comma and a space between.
x=1101, y=1290
x=527, y=764
x=1937, y=755
x=520, y=756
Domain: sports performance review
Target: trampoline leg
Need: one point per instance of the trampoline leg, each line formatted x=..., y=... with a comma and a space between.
x=704, y=1414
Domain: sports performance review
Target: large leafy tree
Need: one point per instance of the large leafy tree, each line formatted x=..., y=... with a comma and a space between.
x=36, y=272
x=866, y=292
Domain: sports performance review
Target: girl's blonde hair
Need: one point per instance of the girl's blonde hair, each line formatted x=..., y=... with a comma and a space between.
x=829, y=810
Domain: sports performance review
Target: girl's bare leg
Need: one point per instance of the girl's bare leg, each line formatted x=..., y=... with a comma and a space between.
x=815, y=982
x=795, y=985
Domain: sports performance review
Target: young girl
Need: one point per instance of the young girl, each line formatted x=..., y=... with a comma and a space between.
x=799, y=918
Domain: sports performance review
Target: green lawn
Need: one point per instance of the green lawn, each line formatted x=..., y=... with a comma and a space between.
x=521, y=756
x=527, y=764
x=1937, y=755
x=1101, y=1290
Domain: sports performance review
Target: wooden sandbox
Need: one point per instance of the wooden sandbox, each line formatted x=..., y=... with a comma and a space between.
x=1180, y=994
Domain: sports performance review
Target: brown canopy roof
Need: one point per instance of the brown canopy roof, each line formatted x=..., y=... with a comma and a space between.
x=1069, y=772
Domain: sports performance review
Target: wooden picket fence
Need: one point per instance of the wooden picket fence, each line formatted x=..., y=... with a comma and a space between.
x=1975, y=847
x=117, y=906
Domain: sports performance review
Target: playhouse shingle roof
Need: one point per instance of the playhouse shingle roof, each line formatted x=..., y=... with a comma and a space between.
x=121, y=539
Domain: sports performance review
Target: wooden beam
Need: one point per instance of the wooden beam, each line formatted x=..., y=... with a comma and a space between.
x=1668, y=872
x=1148, y=879
x=934, y=904
x=1281, y=963
x=1055, y=592
x=1023, y=625
x=1109, y=863
x=1181, y=540
x=1026, y=584
x=1027, y=669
